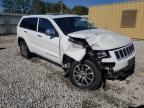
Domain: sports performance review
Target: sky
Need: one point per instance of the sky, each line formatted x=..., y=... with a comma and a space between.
x=87, y=3
x=72, y=3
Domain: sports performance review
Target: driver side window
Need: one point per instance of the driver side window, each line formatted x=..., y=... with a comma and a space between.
x=44, y=24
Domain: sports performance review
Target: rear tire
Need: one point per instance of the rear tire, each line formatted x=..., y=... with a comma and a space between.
x=86, y=75
x=24, y=50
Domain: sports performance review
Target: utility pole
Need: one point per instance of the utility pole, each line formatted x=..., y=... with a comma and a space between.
x=61, y=11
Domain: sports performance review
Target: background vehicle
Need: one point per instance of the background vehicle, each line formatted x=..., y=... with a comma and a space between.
x=89, y=55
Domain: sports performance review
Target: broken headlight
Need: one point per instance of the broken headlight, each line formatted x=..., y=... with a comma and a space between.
x=102, y=54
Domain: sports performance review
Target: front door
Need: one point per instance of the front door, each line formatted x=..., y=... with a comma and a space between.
x=47, y=45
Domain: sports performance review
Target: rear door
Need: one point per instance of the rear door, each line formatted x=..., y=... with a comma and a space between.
x=27, y=30
x=47, y=45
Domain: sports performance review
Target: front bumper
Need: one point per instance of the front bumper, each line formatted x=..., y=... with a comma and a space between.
x=118, y=69
x=119, y=64
x=123, y=73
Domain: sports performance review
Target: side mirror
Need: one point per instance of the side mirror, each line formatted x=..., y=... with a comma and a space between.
x=50, y=32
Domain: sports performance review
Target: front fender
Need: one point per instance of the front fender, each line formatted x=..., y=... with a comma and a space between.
x=76, y=54
x=68, y=49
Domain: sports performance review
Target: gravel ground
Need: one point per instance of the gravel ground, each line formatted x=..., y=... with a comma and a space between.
x=37, y=83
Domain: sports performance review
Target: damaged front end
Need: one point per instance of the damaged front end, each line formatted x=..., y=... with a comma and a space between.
x=108, y=68
x=79, y=50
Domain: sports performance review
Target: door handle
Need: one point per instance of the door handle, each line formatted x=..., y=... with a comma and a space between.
x=39, y=36
x=25, y=31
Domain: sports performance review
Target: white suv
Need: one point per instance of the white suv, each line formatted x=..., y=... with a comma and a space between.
x=89, y=55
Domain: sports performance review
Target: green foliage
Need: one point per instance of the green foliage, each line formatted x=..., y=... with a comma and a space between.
x=16, y=6
x=7, y=4
x=56, y=8
x=80, y=10
x=40, y=7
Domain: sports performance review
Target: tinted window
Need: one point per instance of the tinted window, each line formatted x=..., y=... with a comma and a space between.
x=29, y=23
x=44, y=24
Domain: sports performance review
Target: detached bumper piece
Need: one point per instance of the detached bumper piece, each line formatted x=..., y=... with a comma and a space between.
x=121, y=74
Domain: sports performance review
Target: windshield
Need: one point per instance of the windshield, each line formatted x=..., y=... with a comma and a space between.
x=73, y=24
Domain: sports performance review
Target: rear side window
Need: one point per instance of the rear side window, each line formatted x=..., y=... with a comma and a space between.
x=29, y=23
x=44, y=24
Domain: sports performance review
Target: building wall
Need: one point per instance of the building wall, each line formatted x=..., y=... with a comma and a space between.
x=110, y=16
x=8, y=23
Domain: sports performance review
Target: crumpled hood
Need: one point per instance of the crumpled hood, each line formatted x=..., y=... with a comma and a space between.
x=100, y=39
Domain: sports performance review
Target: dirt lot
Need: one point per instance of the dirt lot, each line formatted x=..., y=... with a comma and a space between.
x=36, y=83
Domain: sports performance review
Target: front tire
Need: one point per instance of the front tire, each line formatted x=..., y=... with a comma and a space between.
x=24, y=50
x=86, y=75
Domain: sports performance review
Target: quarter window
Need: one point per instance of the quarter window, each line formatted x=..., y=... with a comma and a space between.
x=29, y=23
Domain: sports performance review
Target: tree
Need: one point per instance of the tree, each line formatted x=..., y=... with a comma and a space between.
x=23, y=6
x=65, y=8
x=38, y=7
x=16, y=6
x=80, y=10
x=50, y=8
x=56, y=8
x=7, y=5
x=53, y=7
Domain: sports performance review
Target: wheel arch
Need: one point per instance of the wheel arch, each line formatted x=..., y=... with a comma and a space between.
x=67, y=59
x=20, y=39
